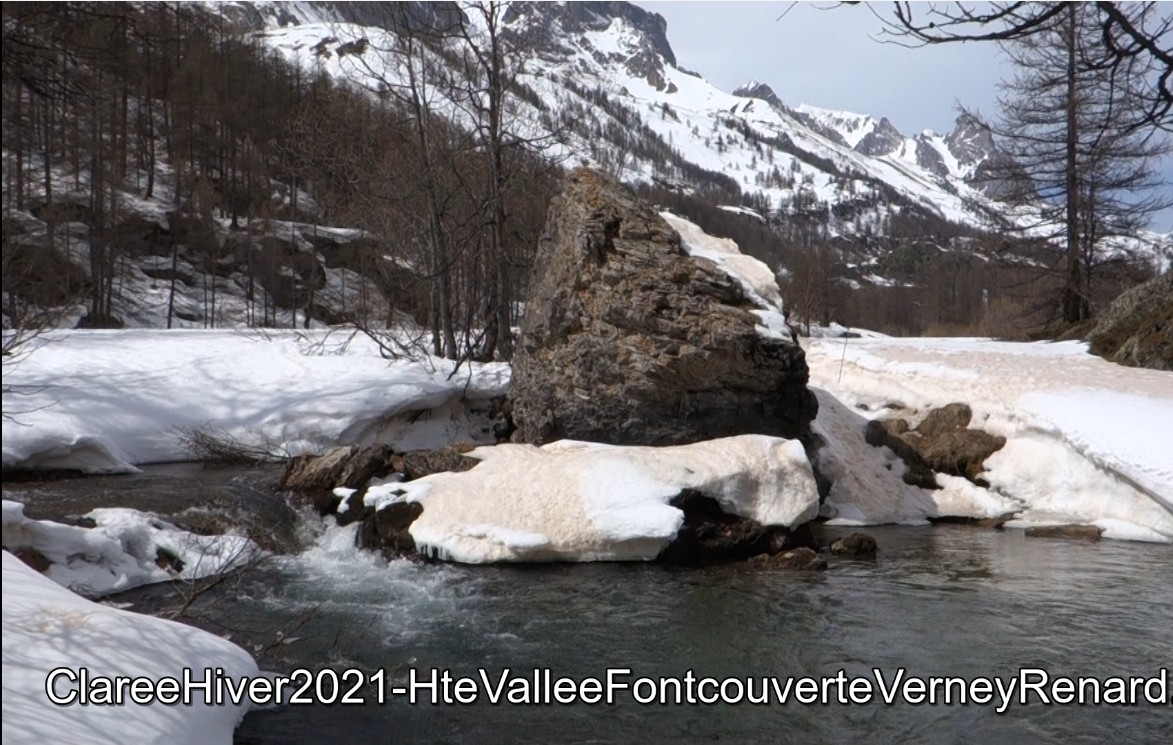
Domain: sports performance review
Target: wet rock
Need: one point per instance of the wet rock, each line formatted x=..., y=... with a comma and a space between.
x=78, y=521
x=858, y=545
x=388, y=529
x=355, y=510
x=1071, y=532
x=798, y=558
x=628, y=340
x=352, y=466
x=709, y=534
x=168, y=560
x=33, y=558
x=422, y=463
x=995, y=523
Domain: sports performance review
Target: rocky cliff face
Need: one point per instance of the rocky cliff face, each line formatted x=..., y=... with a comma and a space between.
x=628, y=340
x=1137, y=329
x=882, y=140
x=615, y=33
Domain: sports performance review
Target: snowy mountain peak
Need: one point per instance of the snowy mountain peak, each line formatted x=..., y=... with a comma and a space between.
x=754, y=89
x=604, y=76
x=883, y=139
x=607, y=32
x=844, y=127
x=971, y=140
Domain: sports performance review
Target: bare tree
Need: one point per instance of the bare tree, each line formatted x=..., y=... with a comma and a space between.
x=1065, y=123
x=1126, y=35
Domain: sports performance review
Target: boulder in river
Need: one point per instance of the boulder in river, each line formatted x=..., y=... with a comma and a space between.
x=629, y=340
x=1071, y=532
x=351, y=466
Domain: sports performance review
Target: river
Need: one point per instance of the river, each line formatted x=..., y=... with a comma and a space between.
x=940, y=601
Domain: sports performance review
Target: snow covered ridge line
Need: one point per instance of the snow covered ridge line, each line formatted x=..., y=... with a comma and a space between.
x=107, y=401
x=126, y=549
x=47, y=627
x=581, y=501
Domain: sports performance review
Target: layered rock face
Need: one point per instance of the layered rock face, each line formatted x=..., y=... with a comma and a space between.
x=1137, y=329
x=628, y=340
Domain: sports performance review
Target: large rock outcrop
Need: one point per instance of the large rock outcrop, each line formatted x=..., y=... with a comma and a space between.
x=1137, y=328
x=628, y=340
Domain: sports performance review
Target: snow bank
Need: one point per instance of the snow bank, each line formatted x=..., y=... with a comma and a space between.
x=1087, y=440
x=122, y=551
x=47, y=627
x=578, y=501
x=867, y=482
x=105, y=401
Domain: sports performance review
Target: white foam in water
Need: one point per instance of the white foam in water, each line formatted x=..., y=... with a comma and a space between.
x=394, y=600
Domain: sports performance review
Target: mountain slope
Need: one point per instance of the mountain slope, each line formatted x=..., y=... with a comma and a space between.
x=604, y=83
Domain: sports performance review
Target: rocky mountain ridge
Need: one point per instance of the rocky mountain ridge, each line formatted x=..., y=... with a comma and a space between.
x=600, y=84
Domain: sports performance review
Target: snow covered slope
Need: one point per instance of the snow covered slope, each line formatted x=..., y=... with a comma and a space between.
x=603, y=75
x=1087, y=440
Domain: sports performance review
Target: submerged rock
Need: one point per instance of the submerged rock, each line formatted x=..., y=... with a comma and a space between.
x=629, y=340
x=1073, y=532
x=802, y=558
x=859, y=545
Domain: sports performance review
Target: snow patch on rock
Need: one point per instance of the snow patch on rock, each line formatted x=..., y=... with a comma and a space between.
x=579, y=501
x=1086, y=439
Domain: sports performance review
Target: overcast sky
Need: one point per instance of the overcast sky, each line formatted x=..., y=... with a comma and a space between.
x=826, y=58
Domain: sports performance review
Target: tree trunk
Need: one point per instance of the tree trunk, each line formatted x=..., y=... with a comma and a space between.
x=1074, y=305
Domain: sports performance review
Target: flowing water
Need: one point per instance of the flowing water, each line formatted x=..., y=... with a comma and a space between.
x=942, y=601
